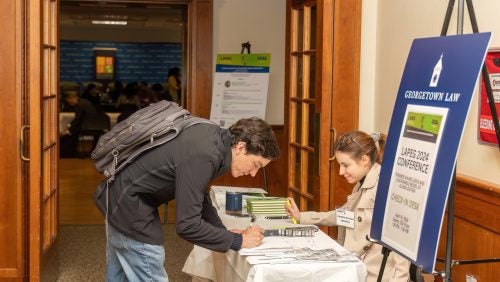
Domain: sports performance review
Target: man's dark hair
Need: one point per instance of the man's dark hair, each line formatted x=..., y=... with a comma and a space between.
x=258, y=136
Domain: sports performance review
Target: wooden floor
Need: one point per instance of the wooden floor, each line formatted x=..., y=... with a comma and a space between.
x=78, y=180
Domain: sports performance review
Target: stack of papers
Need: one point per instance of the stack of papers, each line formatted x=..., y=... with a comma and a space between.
x=276, y=250
x=303, y=255
x=266, y=205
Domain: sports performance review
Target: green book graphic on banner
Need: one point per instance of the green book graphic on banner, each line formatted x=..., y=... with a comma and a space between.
x=422, y=126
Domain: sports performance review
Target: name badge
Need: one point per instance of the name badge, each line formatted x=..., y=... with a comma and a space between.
x=345, y=218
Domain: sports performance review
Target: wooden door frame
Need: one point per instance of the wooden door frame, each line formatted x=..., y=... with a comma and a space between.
x=199, y=57
x=199, y=78
x=34, y=85
x=345, y=96
x=324, y=66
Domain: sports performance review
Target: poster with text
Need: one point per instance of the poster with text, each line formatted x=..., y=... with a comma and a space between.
x=240, y=87
x=412, y=171
x=424, y=135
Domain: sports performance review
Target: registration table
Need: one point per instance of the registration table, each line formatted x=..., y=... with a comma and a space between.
x=276, y=258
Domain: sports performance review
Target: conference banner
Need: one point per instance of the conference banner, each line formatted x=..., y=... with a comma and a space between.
x=240, y=87
x=426, y=128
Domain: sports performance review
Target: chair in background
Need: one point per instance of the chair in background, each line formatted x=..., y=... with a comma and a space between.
x=93, y=126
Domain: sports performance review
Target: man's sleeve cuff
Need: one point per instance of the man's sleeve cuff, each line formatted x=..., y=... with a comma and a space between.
x=237, y=241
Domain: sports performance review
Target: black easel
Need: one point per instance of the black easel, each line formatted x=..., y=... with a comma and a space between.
x=449, y=263
x=247, y=46
x=484, y=70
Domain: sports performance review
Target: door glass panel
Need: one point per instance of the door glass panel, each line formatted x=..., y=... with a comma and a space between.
x=312, y=76
x=293, y=75
x=313, y=28
x=292, y=159
x=298, y=161
x=312, y=126
x=298, y=124
x=299, y=77
x=300, y=29
x=296, y=198
x=309, y=205
x=312, y=173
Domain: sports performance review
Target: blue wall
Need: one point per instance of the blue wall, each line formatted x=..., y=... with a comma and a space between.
x=148, y=62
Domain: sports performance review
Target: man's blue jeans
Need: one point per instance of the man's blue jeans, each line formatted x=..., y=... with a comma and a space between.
x=131, y=260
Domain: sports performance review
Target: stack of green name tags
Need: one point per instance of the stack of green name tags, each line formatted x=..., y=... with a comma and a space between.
x=266, y=206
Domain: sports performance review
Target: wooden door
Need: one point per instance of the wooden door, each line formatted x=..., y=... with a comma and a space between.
x=13, y=192
x=322, y=85
x=42, y=67
x=28, y=190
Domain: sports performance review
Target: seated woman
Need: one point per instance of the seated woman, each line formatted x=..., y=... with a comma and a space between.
x=359, y=156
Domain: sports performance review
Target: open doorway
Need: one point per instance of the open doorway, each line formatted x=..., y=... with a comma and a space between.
x=117, y=56
x=153, y=41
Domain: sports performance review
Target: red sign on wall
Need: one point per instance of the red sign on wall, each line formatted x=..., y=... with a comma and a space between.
x=486, y=128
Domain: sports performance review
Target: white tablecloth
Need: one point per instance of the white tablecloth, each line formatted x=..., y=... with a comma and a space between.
x=234, y=266
x=65, y=118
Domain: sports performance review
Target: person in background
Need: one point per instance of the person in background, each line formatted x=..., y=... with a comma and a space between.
x=91, y=93
x=174, y=84
x=359, y=155
x=128, y=102
x=117, y=91
x=145, y=95
x=69, y=135
x=159, y=93
x=182, y=169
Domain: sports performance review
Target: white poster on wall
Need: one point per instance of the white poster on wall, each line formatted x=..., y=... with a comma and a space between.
x=240, y=88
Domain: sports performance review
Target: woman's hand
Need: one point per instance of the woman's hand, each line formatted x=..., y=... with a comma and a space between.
x=292, y=209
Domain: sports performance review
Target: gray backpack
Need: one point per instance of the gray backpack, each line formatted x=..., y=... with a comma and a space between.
x=145, y=129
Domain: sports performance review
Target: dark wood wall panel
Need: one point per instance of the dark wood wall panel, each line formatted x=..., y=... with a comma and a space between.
x=477, y=229
x=199, y=91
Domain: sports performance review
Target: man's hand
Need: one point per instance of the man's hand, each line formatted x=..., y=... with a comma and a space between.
x=237, y=231
x=252, y=237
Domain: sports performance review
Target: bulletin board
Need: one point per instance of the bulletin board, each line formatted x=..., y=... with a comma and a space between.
x=486, y=128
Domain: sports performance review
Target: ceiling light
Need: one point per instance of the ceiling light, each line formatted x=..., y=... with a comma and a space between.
x=109, y=22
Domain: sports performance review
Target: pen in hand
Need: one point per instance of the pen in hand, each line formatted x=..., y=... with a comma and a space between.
x=294, y=220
